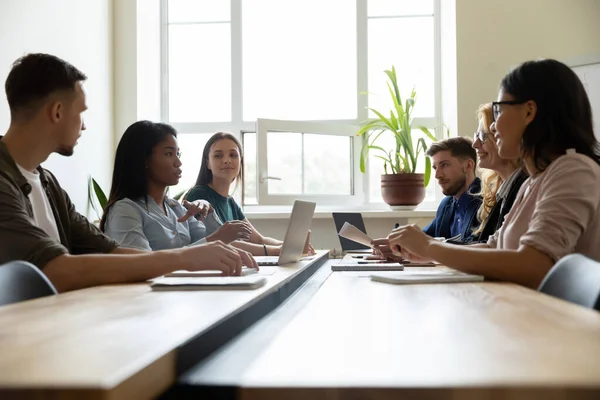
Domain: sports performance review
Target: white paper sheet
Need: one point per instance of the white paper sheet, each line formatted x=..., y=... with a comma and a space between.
x=351, y=232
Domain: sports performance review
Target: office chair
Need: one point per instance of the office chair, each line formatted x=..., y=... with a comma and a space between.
x=20, y=280
x=574, y=278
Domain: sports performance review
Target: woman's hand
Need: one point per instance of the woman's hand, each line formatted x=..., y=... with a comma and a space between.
x=308, y=249
x=231, y=231
x=201, y=207
x=410, y=243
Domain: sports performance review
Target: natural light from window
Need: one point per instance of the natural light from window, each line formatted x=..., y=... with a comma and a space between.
x=298, y=61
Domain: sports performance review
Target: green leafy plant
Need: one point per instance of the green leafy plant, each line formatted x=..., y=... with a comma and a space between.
x=96, y=197
x=404, y=156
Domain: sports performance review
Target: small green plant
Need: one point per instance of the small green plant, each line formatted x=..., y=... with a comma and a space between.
x=406, y=152
x=96, y=197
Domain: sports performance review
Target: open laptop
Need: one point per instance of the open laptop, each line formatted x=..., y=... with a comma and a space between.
x=355, y=219
x=295, y=237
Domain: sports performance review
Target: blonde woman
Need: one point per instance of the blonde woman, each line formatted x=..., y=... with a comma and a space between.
x=501, y=179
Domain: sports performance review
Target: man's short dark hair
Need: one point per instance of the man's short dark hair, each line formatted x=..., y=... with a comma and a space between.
x=35, y=76
x=460, y=147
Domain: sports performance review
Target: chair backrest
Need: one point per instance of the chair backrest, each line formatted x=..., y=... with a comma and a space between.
x=574, y=278
x=20, y=280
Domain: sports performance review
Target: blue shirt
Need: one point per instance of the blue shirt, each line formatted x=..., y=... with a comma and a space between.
x=142, y=224
x=461, y=209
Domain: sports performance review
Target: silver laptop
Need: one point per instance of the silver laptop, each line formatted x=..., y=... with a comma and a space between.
x=295, y=237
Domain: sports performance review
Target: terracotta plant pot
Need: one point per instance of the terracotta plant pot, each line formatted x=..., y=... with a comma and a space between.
x=403, y=189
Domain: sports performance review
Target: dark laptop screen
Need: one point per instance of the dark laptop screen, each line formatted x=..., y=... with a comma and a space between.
x=354, y=219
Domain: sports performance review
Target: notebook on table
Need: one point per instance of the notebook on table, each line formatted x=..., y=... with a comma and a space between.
x=208, y=273
x=434, y=276
x=351, y=264
x=209, y=283
x=368, y=267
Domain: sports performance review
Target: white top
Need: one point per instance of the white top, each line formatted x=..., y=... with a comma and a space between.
x=42, y=212
x=557, y=210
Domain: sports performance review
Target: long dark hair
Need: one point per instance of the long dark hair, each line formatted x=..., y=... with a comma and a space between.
x=564, y=115
x=130, y=179
x=205, y=176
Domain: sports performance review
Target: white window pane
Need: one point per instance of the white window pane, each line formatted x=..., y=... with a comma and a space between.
x=199, y=11
x=285, y=161
x=377, y=8
x=299, y=59
x=412, y=55
x=250, y=180
x=191, y=146
x=327, y=168
x=199, y=73
x=376, y=169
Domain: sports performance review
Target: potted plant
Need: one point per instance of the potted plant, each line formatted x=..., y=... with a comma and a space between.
x=401, y=186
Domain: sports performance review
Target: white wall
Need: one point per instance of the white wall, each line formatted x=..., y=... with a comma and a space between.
x=589, y=73
x=492, y=36
x=136, y=62
x=79, y=31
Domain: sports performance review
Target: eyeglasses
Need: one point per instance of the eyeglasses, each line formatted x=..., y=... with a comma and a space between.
x=496, y=107
x=481, y=136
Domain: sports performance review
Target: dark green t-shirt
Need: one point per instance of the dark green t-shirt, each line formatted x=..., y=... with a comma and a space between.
x=225, y=207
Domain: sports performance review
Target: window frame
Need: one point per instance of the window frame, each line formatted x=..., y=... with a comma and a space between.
x=237, y=125
x=263, y=126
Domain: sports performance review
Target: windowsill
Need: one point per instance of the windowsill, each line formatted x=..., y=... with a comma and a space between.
x=283, y=212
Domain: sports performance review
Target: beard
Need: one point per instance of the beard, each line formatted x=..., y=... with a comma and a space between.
x=456, y=186
x=66, y=151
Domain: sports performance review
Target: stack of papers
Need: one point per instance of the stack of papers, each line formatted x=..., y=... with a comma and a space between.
x=433, y=276
x=351, y=232
x=209, y=273
x=351, y=264
x=209, y=283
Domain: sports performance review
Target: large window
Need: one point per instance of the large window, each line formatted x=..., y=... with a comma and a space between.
x=292, y=79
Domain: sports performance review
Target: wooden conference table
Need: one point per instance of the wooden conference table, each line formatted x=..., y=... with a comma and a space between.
x=308, y=333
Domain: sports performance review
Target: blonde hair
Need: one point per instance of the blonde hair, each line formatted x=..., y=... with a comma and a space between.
x=490, y=180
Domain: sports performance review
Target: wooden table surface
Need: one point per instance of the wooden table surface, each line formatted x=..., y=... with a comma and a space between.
x=356, y=338
x=116, y=342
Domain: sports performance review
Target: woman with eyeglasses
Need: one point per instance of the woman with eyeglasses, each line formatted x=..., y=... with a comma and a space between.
x=543, y=115
x=501, y=179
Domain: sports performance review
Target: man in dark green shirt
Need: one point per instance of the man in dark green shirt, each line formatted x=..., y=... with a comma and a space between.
x=38, y=222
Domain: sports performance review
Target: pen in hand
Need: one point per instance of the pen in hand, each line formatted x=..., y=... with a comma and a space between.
x=396, y=226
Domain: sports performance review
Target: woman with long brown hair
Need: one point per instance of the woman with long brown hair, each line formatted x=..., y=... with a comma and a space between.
x=222, y=166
